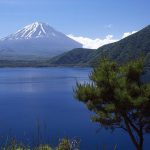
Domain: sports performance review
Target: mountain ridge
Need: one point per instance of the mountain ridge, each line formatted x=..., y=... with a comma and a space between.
x=34, y=30
x=122, y=51
x=37, y=39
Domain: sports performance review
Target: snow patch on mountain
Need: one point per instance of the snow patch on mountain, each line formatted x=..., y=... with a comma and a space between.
x=37, y=39
x=34, y=30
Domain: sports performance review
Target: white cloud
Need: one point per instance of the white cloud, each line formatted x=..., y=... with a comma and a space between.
x=128, y=33
x=98, y=42
x=93, y=43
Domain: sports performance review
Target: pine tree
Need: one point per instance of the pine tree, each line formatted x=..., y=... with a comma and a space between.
x=119, y=98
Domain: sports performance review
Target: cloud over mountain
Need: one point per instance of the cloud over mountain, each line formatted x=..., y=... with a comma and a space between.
x=128, y=33
x=98, y=42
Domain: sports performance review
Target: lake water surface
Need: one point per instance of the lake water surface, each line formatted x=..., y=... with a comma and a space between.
x=38, y=104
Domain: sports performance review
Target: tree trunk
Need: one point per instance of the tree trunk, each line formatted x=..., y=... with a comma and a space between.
x=129, y=127
x=141, y=138
x=139, y=146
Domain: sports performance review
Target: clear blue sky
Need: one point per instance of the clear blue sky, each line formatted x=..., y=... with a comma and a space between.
x=90, y=18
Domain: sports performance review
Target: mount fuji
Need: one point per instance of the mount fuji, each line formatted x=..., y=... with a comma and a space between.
x=37, y=39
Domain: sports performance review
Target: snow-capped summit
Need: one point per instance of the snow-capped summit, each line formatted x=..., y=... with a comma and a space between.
x=34, y=30
x=37, y=39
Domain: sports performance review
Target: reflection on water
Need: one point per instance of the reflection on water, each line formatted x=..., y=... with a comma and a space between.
x=32, y=97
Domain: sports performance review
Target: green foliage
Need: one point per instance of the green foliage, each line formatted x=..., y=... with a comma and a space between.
x=19, y=147
x=118, y=97
x=64, y=145
x=43, y=147
x=76, y=57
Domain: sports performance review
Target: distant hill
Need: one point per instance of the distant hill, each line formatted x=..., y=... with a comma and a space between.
x=122, y=51
x=79, y=57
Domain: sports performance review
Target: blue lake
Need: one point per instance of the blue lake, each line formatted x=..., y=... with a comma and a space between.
x=39, y=102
